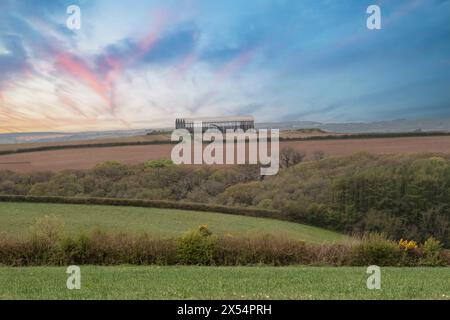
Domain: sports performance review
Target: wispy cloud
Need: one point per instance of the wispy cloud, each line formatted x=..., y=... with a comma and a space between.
x=142, y=64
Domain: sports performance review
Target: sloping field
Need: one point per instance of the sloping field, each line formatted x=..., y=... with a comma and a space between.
x=57, y=160
x=16, y=219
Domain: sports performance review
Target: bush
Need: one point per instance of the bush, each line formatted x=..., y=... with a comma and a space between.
x=376, y=249
x=48, y=229
x=158, y=163
x=290, y=157
x=410, y=252
x=432, y=250
x=196, y=247
x=334, y=254
x=243, y=194
x=261, y=249
x=265, y=204
x=445, y=254
x=61, y=184
x=113, y=170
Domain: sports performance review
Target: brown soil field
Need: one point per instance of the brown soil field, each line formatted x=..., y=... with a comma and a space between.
x=57, y=160
x=148, y=138
x=307, y=133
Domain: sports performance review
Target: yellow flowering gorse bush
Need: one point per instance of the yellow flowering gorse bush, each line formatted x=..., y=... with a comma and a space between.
x=407, y=244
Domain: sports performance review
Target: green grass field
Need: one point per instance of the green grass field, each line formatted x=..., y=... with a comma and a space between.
x=193, y=282
x=126, y=282
x=17, y=218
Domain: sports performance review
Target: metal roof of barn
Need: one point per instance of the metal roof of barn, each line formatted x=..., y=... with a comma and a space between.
x=220, y=119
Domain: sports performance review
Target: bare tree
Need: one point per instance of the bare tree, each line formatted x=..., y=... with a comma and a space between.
x=290, y=157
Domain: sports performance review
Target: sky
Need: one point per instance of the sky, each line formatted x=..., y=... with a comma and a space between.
x=141, y=63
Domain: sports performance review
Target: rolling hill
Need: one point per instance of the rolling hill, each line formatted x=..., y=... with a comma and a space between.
x=17, y=218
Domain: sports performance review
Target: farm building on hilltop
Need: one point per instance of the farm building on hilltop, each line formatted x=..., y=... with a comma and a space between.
x=220, y=123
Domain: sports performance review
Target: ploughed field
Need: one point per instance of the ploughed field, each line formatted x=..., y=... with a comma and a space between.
x=86, y=158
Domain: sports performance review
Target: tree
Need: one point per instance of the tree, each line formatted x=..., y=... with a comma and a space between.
x=290, y=157
x=111, y=170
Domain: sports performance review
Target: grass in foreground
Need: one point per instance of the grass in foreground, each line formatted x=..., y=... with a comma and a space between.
x=17, y=218
x=126, y=282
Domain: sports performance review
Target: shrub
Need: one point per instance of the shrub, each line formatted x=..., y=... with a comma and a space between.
x=265, y=204
x=158, y=163
x=104, y=248
x=196, y=247
x=261, y=249
x=407, y=245
x=242, y=194
x=61, y=184
x=290, y=157
x=410, y=252
x=76, y=249
x=445, y=254
x=432, y=250
x=113, y=170
x=335, y=254
x=376, y=249
x=48, y=229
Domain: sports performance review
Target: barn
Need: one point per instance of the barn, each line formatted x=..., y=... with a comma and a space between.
x=221, y=123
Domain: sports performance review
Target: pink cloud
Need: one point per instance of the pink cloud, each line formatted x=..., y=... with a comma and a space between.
x=236, y=64
x=81, y=71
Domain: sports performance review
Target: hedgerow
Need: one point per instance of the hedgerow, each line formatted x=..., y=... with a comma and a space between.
x=52, y=247
x=252, y=212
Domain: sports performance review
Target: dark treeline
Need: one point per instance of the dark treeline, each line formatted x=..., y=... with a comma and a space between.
x=403, y=196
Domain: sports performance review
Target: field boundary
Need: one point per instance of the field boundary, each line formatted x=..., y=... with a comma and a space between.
x=84, y=146
x=190, y=206
x=281, y=139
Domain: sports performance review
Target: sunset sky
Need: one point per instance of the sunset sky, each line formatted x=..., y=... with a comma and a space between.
x=141, y=64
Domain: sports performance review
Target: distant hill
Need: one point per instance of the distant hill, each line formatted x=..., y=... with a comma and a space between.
x=37, y=137
x=401, y=125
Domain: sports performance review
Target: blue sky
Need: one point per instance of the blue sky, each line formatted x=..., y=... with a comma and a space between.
x=139, y=64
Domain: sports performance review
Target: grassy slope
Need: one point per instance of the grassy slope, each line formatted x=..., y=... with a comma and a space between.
x=125, y=282
x=16, y=219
